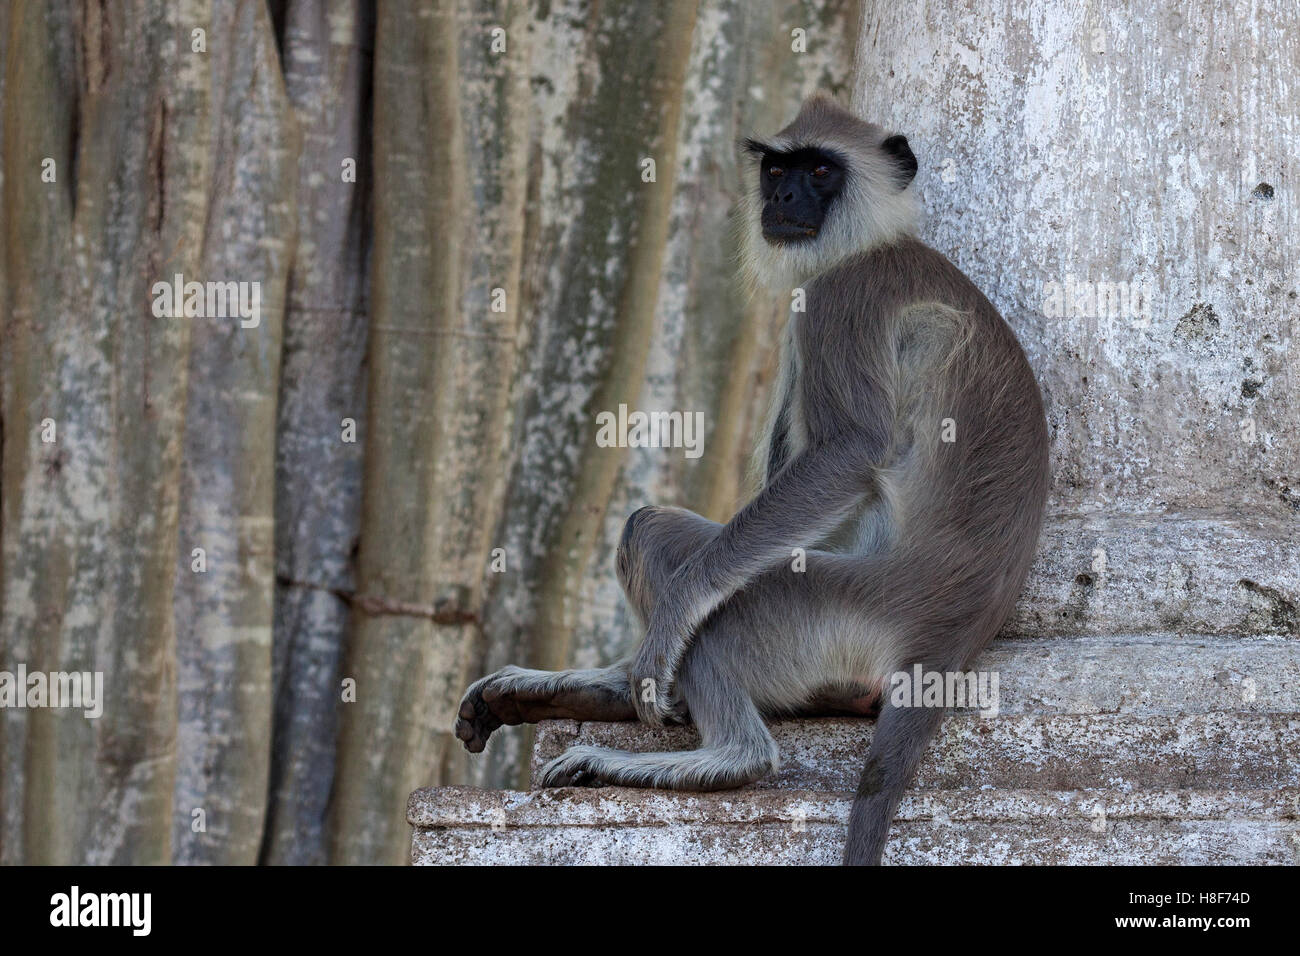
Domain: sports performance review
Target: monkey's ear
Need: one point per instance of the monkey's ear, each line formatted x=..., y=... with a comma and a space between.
x=753, y=147
x=897, y=148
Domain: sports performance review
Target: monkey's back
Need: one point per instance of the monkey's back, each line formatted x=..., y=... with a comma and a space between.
x=900, y=346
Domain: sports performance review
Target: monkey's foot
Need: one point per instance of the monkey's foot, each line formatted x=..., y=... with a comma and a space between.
x=577, y=767
x=514, y=695
x=717, y=768
x=491, y=702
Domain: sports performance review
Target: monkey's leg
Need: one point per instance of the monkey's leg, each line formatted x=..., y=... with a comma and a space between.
x=780, y=646
x=655, y=543
x=769, y=650
x=736, y=747
x=514, y=695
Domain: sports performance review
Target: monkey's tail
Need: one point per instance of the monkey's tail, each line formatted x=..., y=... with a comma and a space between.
x=902, y=734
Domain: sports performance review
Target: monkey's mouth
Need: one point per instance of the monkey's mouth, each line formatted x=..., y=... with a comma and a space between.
x=778, y=229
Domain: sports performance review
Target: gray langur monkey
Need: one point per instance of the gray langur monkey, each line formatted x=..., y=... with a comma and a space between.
x=905, y=451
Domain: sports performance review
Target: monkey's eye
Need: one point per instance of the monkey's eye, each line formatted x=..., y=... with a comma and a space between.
x=775, y=171
x=821, y=171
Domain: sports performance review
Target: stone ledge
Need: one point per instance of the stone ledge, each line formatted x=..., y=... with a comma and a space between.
x=1145, y=674
x=1130, y=749
x=460, y=825
x=1183, y=571
x=627, y=806
x=1041, y=752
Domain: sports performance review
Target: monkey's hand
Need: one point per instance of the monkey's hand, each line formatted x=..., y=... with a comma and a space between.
x=651, y=682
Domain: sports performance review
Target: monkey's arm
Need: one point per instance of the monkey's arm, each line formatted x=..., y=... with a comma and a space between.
x=813, y=495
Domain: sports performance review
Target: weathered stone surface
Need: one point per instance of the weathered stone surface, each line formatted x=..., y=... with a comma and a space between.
x=1093, y=711
x=1119, y=750
x=1200, y=573
x=1048, y=752
x=1035, y=176
x=1145, y=674
x=461, y=825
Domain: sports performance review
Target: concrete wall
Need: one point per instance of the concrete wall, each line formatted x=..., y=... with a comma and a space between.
x=1068, y=146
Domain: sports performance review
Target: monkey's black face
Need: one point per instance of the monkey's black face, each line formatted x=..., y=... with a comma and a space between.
x=798, y=189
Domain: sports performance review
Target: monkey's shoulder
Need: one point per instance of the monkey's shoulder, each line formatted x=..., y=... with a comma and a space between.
x=890, y=280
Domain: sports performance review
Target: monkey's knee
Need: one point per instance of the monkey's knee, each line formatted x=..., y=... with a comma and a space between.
x=633, y=574
x=654, y=544
x=629, y=543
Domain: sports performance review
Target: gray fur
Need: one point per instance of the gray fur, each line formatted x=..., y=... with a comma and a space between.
x=916, y=548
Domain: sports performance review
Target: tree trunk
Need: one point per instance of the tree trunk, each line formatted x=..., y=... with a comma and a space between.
x=124, y=111
x=328, y=57
x=224, y=612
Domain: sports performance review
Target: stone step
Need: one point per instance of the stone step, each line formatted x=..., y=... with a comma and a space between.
x=1135, y=674
x=1036, y=752
x=617, y=826
x=1103, y=572
x=1072, y=713
x=1145, y=674
x=1126, y=749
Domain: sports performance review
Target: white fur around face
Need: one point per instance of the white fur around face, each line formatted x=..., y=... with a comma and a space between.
x=870, y=211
